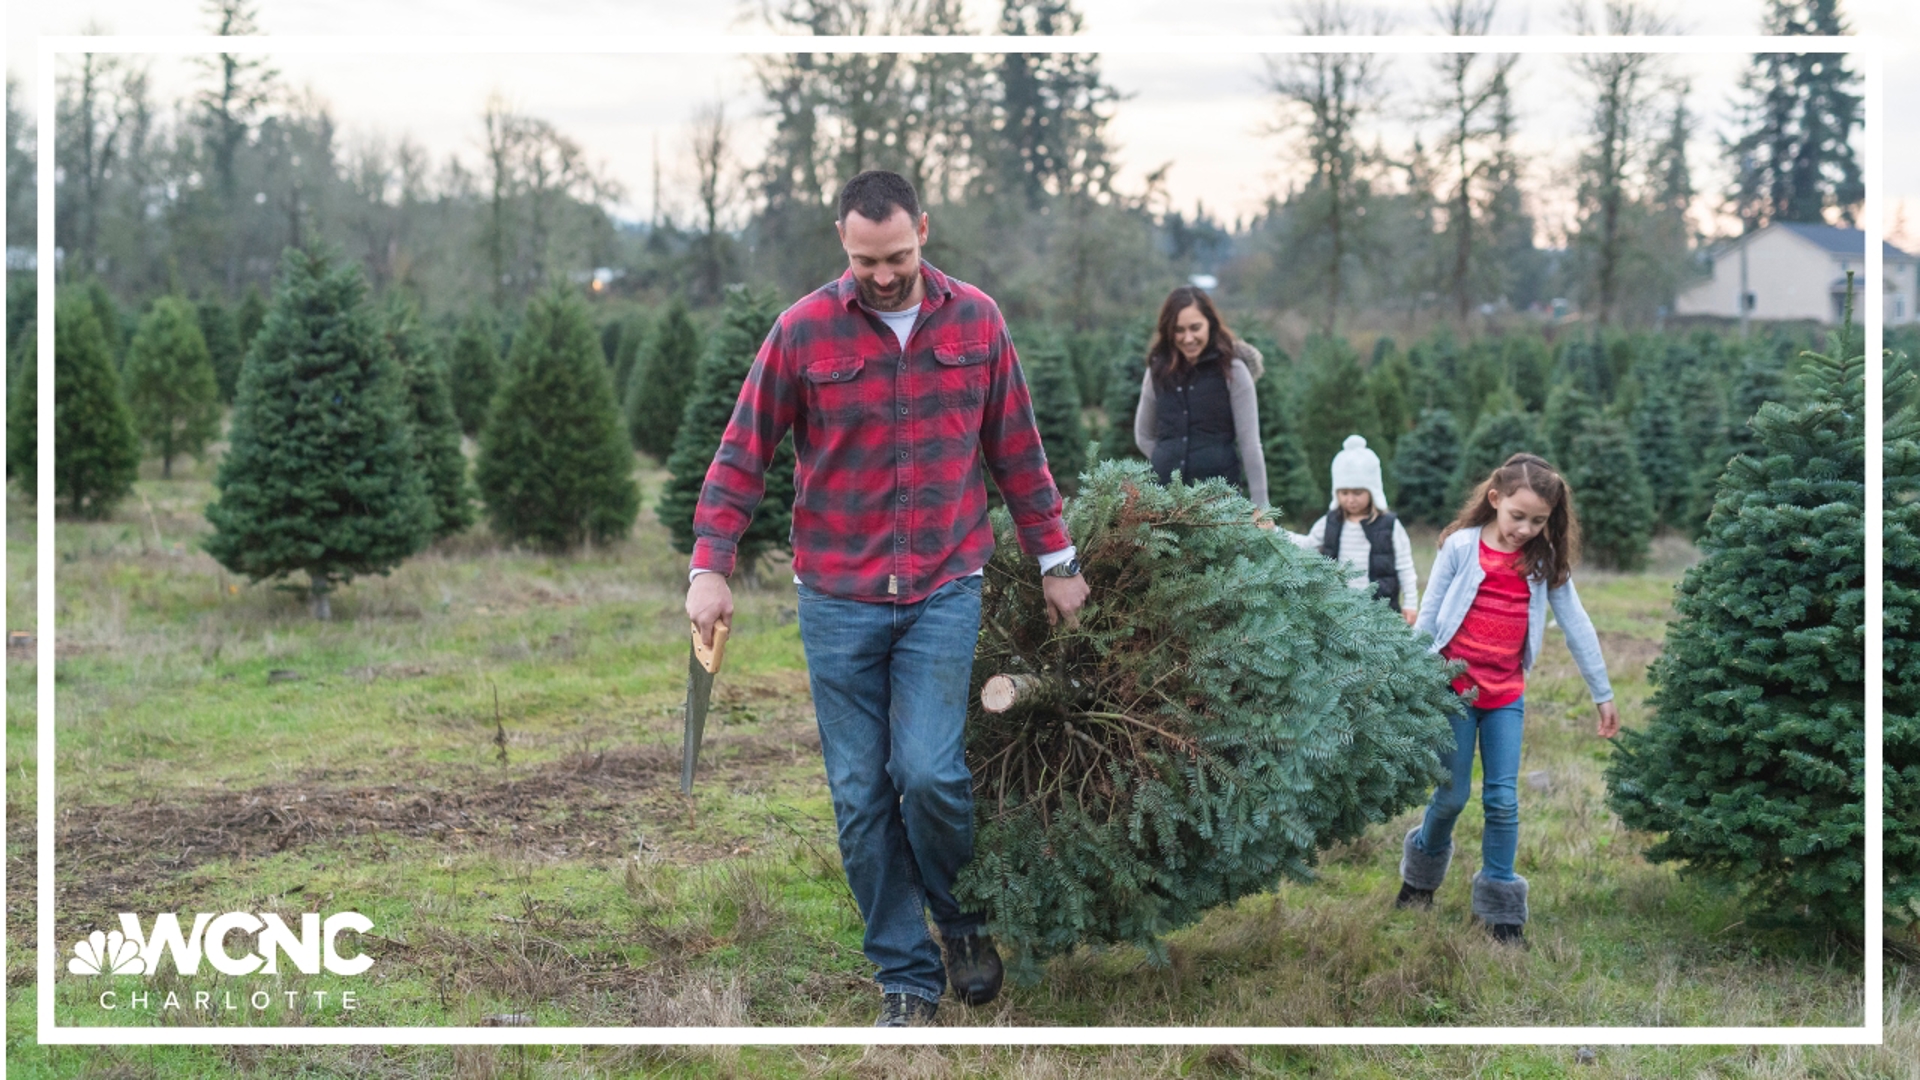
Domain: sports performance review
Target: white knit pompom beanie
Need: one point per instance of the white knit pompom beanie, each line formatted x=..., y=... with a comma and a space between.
x=1355, y=466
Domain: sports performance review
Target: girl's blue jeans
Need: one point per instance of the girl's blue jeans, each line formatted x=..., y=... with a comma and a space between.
x=890, y=686
x=1497, y=731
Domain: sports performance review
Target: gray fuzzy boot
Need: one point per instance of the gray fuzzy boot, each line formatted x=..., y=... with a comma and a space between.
x=1502, y=905
x=1420, y=873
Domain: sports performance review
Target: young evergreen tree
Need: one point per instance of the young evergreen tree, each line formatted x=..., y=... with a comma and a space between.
x=1756, y=382
x=1293, y=485
x=96, y=450
x=319, y=475
x=1611, y=494
x=171, y=387
x=1529, y=368
x=555, y=467
x=633, y=336
x=1423, y=465
x=22, y=305
x=1662, y=449
x=1335, y=404
x=436, y=429
x=1127, y=368
x=224, y=346
x=1056, y=409
x=473, y=372
x=664, y=376
x=112, y=322
x=23, y=416
x=1389, y=403
x=1589, y=367
x=1498, y=435
x=248, y=318
x=1569, y=410
x=1122, y=400
x=1752, y=762
x=1900, y=636
x=745, y=320
x=1149, y=771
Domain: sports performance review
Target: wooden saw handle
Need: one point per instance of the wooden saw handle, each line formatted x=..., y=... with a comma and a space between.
x=710, y=658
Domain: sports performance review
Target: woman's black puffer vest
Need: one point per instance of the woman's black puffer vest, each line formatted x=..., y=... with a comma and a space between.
x=1193, y=423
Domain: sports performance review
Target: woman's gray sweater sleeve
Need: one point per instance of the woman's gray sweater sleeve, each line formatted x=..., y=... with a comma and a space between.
x=1246, y=431
x=1145, y=416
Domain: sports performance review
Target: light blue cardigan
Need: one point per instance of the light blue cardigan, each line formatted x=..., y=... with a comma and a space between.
x=1455, y=581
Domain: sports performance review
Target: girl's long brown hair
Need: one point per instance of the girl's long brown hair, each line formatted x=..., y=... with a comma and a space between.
x=1550, y=555
x=1163, y=356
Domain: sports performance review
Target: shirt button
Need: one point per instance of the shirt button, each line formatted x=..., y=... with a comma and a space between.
x=836, y=374
x=903, y=410
x=903, y=497
x=903, y=455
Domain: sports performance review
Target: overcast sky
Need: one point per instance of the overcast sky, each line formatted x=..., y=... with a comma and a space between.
x=1207, y=117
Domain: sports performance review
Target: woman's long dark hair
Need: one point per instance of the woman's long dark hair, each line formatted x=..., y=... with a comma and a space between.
x=1163, y=357
x=1549, y=556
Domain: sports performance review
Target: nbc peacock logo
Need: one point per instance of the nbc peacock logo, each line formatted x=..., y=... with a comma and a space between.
x=106, y=953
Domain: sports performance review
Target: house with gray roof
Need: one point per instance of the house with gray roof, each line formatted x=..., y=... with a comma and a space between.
x=1797, y=272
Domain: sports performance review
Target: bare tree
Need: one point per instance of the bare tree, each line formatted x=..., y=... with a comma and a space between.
x=1476, y=86
x=92, y=124
x=711, y=140
x=502, y=148
x=1621, y=88
x=230, y=108
x=535, y=176
x=1325, y=96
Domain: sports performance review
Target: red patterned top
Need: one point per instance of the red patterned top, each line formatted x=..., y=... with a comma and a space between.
x=1494, y=633
x=893, y=445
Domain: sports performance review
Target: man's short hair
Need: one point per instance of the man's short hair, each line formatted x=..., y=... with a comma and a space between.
x=874, y=194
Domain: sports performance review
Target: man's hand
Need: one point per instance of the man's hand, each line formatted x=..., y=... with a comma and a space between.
x=1064, y=596
x=1609, y=720
x=709, y=601
x=1412, y=615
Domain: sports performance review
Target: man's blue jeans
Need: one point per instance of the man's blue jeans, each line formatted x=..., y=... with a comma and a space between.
x=1498, y=733
x=890, y=686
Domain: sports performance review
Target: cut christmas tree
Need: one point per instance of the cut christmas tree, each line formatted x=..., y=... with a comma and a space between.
x=1225, y=709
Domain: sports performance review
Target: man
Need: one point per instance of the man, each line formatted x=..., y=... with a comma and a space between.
x=897, y=382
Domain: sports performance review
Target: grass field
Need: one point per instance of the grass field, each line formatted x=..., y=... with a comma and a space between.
x=480, y=753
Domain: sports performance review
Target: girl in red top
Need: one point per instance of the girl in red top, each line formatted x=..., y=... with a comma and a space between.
x=1506, y=559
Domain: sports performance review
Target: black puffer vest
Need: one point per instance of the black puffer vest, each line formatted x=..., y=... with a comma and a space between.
x=1380, y=563
x=1193, y=424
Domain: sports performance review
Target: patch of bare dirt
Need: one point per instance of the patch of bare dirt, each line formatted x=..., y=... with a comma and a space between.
x=587, y=805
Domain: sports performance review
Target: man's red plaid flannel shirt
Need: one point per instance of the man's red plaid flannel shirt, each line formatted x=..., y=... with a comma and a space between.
x=889, y=499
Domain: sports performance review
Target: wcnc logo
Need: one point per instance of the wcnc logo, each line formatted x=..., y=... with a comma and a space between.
x=132, y=950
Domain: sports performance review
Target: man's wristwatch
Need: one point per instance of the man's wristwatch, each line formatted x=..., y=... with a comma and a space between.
x=1070, y=568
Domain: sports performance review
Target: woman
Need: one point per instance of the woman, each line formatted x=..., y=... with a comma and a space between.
x=1198, y=415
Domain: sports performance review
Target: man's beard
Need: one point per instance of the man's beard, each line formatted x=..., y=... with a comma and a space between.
x=893, y=300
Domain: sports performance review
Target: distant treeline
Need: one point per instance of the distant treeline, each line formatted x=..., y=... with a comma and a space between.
x=1015, y=159
x=1642, y=421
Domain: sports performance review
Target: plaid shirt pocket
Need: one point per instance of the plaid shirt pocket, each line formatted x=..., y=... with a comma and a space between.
x=961, y=375
x=837, y=396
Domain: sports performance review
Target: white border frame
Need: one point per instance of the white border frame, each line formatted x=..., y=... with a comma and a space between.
x=1867, y=51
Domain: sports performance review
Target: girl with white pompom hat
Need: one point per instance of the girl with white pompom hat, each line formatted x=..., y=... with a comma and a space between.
x=1359, y=532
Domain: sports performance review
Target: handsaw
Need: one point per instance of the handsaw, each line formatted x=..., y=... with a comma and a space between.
x=703, y=664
